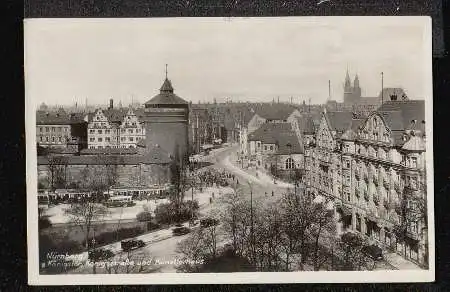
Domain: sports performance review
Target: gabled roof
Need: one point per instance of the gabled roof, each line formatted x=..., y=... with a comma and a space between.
x=274, y=111
x=339, y=121
x=115, y=115
x=280, y=134
x=166, y=96
x=307, y=124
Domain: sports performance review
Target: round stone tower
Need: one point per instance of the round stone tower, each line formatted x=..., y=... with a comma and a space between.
x=167, y=122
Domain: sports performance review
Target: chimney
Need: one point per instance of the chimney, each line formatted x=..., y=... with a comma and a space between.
x=111, y=103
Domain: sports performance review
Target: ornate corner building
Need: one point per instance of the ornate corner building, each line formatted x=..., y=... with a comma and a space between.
x=374, y=170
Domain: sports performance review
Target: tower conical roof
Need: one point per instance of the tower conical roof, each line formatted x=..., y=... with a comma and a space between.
x=166, y=96
x=166, y=87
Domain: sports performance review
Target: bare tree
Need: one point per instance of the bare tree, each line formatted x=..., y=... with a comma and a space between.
x=83, y=214
x=299, y=215
x=57, y=166
x=323, y=227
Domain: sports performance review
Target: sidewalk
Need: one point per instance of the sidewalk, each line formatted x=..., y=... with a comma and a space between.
x=399, y=262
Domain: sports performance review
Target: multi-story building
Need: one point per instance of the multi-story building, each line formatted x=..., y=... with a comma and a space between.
x=276, y=147
x=60, y=129
x=261, y=114
x=115, y=128
x=371, y=169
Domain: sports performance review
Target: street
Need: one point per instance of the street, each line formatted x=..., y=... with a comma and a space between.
x=161, y=245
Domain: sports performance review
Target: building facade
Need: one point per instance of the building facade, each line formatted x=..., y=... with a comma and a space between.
x=60, y=129
x=167, y=122
x=276, y=148
x=115, y=128
x=373, y=170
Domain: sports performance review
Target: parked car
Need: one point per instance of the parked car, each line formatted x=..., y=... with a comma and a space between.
x=373, y=251
x=128, y=245
x=178, y=225
x=207, y=222
x=100, y=254
x=177, y=231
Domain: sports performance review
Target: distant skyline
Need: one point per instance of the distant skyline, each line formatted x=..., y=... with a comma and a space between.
x=243, y=59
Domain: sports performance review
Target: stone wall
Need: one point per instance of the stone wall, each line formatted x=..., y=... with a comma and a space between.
x=129, y=175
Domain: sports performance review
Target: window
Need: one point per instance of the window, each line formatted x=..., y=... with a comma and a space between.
x=122, y=139
x=46, y=129
x=53, y=139
x=122, y=130
x=138, y=130
x=289, y=163
x=347, y=196
x=59, y=129
x=46, y=139
x=265, y=147
x=414, y=162
x=40, y=129
x=131, y=139
x=91, y=139
x=59, y=139
x=358, y=223
x=414, y=227
x=100, y=131
x=271, y=147
x=100, y=140
x=130, y=131
x=347, y=164
x=107, y=131
x=91, y=131
x=134, y=123
x=107, y=139
x=40, y=138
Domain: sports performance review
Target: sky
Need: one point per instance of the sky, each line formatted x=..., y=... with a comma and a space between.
x=243, y=59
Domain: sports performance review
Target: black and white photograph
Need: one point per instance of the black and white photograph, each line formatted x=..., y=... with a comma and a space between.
x=229, y=150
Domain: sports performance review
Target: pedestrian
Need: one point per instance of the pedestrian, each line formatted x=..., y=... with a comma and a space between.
x=210, y=200
x=272, y=193
x=213, y=194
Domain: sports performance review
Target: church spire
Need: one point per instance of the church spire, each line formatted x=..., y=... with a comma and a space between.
x=347, y=85
x=356, y=81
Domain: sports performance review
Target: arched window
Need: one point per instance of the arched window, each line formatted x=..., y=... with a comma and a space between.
x=289, y=163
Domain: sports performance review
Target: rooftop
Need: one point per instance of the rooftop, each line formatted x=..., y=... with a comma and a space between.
x=166, y=96
x=274, y=111
x=58, y=118
x=280, y=134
